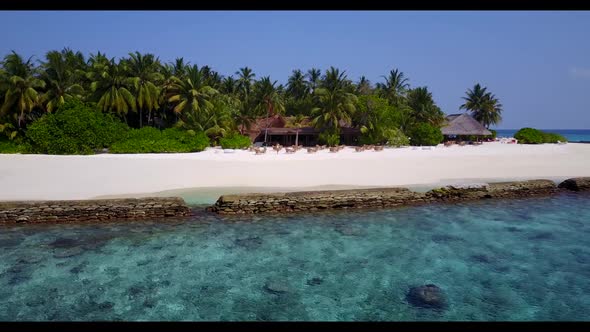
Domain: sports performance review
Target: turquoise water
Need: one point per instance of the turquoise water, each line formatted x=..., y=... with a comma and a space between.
x=512, y=260
x=572, y=135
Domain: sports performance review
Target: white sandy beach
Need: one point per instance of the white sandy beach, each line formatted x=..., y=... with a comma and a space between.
x=39, y=177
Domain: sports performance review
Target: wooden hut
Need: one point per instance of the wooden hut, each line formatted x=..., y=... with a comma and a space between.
x=462, y=125
x=277, y=130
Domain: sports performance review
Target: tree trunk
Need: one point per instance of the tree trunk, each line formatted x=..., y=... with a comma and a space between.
x=267, y=116
x=297, y=137
x=140, y=118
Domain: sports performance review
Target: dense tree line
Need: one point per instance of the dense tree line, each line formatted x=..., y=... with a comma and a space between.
x=141, y=91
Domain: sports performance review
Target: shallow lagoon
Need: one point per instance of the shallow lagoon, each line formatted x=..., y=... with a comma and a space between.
x=495, y=260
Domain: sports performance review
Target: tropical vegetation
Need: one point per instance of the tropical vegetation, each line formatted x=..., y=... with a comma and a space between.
x=535, y=136
x=67, y=103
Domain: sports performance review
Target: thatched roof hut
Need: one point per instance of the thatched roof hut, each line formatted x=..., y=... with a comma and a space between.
x=463, y=125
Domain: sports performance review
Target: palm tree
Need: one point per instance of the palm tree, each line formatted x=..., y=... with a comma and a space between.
x=335, y=106
x=60, y=81
x=314, y=76
x=245, y=79
x=297, y=123
x=111, y=87
x=395, y=87
x=424, y=108
x=334, y=80
x=229, y=85
x=145, y=77
x=179, y=68
x=363, y=87
x=20, y=85
x=484, y=106
x=268, y=99
x=191, y=95
x=297, y=86
x=491, y=113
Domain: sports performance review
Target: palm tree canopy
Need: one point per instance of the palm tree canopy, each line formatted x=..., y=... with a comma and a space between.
x=484, y=106
x=395, y=86
x=424, y=108
x=20, y=86
x=297, y=86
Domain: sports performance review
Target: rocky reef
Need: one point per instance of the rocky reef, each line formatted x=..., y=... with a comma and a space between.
x=386, y=197
x=92, y=210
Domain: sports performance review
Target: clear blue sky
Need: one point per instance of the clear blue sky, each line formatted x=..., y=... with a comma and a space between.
x=537, y=63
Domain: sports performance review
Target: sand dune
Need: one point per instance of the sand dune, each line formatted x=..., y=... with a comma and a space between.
x=83, y=177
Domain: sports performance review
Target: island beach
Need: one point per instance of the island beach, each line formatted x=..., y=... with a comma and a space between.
x=44, y=177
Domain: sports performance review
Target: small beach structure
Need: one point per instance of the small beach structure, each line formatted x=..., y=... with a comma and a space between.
x=461, y=125
x=278, y=131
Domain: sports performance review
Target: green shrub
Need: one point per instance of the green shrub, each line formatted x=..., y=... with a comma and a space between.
x=235, y=141
x=10, y=147
x=493, y=135
x=152, y=140
x=425, y=134
x=535, y=136
x=396, y=138
x=328, y=138
x=529, y=136
x=553, y=138
x=75, y=129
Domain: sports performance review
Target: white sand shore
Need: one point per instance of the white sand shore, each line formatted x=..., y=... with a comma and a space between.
x=83, y=177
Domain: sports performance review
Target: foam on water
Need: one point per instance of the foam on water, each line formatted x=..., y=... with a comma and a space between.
x=494, y=260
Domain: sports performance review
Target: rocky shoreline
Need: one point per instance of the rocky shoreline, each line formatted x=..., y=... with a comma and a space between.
x=92, y=210
x=310, y=201
x=387, y=197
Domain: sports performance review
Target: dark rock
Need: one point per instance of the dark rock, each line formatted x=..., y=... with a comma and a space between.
x=70, y=252
x=64, y=243
x=576, y=184
x=106, y=305
x=112, y=271
x=164, y=283
x=150, y=303
x=30, y=259
x=481, y=258
x=134, y=291
x=96, y=242
x=542, y=236
x=349, y=231
x=35, y=302
x=277, y=287
x=315, y=281
x=249, y=242
x=443, y=238
x=427, y=296
x=10, y=242
x=79, y=268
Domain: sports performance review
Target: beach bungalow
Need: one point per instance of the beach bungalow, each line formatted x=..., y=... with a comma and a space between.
x=277, y=130
x=461, y=126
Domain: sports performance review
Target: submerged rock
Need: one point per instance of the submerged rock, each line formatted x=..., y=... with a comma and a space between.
x=481, y=258
x=277, y=287
x=443, y=238
x=249, y=242
x=63, y=242
x=315, y=281
x=349, y=231
x=106, y=305
x=542, y=236
x=70, y=252
x=427, y=296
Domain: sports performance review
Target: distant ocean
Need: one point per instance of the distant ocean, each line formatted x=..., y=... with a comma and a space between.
x=572, y=135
